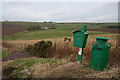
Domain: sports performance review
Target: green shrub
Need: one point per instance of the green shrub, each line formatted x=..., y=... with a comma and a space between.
x=28, y=48
x=39, y=49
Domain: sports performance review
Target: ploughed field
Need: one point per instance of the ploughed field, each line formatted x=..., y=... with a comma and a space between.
x=111, y=30
x=8, y=28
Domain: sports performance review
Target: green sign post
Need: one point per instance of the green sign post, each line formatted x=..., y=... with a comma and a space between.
x=79, y=40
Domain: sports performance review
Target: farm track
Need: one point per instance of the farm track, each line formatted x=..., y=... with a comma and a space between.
x=16, y=55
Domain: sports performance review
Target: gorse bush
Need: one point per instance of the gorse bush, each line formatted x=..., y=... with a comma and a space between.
x=28, y=48
x=39, y=49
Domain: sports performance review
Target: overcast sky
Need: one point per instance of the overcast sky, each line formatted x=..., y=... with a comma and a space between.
x=60, y=11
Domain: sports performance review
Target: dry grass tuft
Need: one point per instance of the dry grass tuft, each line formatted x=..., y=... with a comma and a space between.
x=112, y=73
x=40, y=70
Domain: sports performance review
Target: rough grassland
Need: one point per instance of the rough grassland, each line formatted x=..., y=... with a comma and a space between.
x=49, y=68
x=22, y=68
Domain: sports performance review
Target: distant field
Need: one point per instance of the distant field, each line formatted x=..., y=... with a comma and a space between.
x=16, y=30
x=8, y=28
x=45, y=34
x=111, y=30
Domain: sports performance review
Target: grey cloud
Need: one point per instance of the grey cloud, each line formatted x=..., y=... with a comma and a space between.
x=60, y=11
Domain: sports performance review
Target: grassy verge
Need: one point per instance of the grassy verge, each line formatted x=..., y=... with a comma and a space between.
x=49, y=68
x=4, y=53
x=22, y=68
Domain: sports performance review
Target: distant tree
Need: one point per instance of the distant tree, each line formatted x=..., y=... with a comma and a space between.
x=6, y=20
x=45, y=22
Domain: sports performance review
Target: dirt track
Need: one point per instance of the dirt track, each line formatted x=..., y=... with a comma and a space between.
x=16, y=55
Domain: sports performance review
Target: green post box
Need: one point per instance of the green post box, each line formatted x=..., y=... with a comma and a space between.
x=100, y=54
x=79, y=40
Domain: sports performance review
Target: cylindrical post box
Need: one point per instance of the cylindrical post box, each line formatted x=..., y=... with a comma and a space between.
x=100, y=54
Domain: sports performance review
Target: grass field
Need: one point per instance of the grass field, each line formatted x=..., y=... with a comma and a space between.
x=4, y=53
x=62, y=30
x=46, y=34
